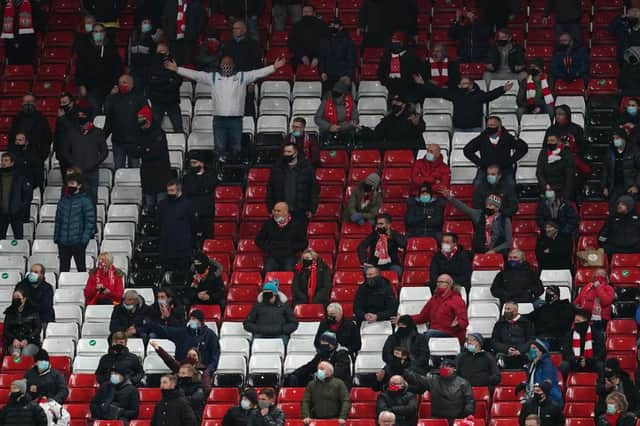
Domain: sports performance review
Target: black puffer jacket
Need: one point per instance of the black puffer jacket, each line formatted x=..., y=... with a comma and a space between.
x=120, y=358
x=403, y=404
x=163, y=85
x=507, y=192
x=375, y=298
x=115, y=402
x=458, y=266
x=301, y=285
x=98, y=68
x=417, y=345
x=451, y=397
x=516, y=57
x=516, y=334
x=282, y=242
x=271, y=319
x=424, y=219
x=20, y=195
x=173, y=409
x=122, y=319
x=121, y=122
x=37, y=130
x=560, y=174
x=348, y=334
x=212, y=284
x=194, y=394
x=552, y=319
x=517, y=283
x=480, y=368
x=155, y=170
x=307, y=190
x=22, y=412
x=621, y=234
x=23, y=325
x=50, y=383
x=630, y=168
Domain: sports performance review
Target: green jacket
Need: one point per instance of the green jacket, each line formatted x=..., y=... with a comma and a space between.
x=353, y=206
x=327, y=399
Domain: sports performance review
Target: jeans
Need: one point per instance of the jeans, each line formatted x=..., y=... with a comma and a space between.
x=77, y=251
x=278, y=264
x=122, y=159
x=227, y=135
x=29, y=350
x=172, y=111
x=91, y=181
x=280, y=11
x=150, y=201
x=17, y=226
x=481, y=176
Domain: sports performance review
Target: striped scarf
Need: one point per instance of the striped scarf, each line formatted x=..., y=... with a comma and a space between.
x=588, y=343
x=546, y=91
x=25, y=20
x=313, y=281
x=181, y=19
x=382, y=250
x=394, y=66
x=439, y=71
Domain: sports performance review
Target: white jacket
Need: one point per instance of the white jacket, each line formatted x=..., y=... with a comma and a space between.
x=56, y=414
x=228, y=93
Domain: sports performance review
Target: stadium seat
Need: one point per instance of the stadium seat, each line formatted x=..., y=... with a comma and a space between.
x=505, y=409
x=579, y=409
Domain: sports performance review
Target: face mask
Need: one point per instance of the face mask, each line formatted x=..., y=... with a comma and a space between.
x=397, y=365
x=611, y=408
x=429, y=156
x=146, y=28
x=98, y=37
x=306, y=262
x=28, y=108
x=334, y=30
x=508, y=316
x=83, y=120
x=563, y=47
x=425, y=198
x=42, y=365
x=296, y=133
x=367, y=188
x=502, y=43
x=192, y=324
x=537, y=396
x=124, y=88
x=492, y=179
x=491, y=130
x=470, y=348
x=581, y=327
x=163, y=302
x=534, y=72
x=618, y=143
x=195, y=169
x=245, y=404
x=549, y=195
x=15, y=395
x=324, y=349
x=446, y=372
x=532, y=354
x=267, y=295
x=548, y=297
x=115, y=379
x=16, y=302
x=32, y=277
x=118, y=348
x=403, y=332
x=632, y=110
x=336, y=95
x=446, y=247
x=184, y=381
x=332, y=320
x=72, y=189
x=201, y=268
x=381, y=230
x=396, y=47
x=280, y=219
x=172, y=196
x=514, y=263
x=633, y=21
x=128, y=307
x=394, y=388
x=287, y=158
x=227, y=70
x=396, y=108
x=489, y=212
x=88, y=27
x=142, y=124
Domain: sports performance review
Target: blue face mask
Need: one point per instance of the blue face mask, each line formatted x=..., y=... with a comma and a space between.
x=128, y=307
x=492, y=179
x=611, y=408
x=470, y=348
x=98, y=37
x=618, y=143
x=532, y=354
x=429, y=156
x=632, y=110
x=296, y=133
x=42, y=365
x=514, y=263
x=192, y=324
x=424, y=198
x=88, y=27
x=115, y=379
x=146, y=28
x=549, y=195
x=321, y=375
x=32, y=277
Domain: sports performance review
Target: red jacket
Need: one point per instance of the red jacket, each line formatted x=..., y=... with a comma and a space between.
x=111, y=279
x=588, y=294
x=435, y=172
x=441, y=311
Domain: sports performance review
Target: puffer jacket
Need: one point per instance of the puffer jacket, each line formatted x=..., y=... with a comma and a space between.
x=552, y=319
x=587, y=298
x=403, y=404
x=50, y=383
x=212, y=284
x=451, y=397
x=271, y=319
x=20, y=194
x=354, y=206
x=116, y=402
x=203, y=338
x=121, y=358
x=560, y=174
x=301, y=285
x=512, y=334
x=458, y=266
x=626, y=419
x=41, y=296
x=418, y=350
x=480, y=368
x=424, y=219
x=436, y=173
x=307, y=189
x=567, y=217
x=121, y=110
x=23, y=325
x=376, y=298
x=75, y=220
x=173, y=409
x=543, y=370
x=622, y=233
x=517, y=283
x=326, y=399
x=194, y=394
x=22, y=412
x=630, y=168
x=122, y=319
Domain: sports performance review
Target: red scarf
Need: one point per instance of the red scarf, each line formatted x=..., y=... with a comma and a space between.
x=88, y=128
x=612, y=419
x=285, y=223
x=487, y=230
x=306, y=145
x=335, y=327
x=394, y=65
x=544, y=86
x=554, y=155
x=439, y=71
x=588, y=344
x=181, y=19
x=313, y=276
x=452, y=253
x=25, y=20
x=568, y=63
x=198, y=278
x=331, y=113
x=382, y=250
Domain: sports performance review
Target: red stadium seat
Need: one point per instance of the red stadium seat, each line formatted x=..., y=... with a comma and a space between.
x=283, y=73
x=228, y=395
x=587, y=242
x=258, y=175
x=576, y=421
x=505, y=421
x=225, y=229
x=149, y=394
x=83, y=380
x=218, y=246
x=323, y=245
x=229, y=193
x=472, y=70
x=215, y=411
x=620, y=260
x=524, y=243
x=211, y=312
x=396, y=175
x=345, y=293
x=398, y=158
x=334, y=158
x=372, y=55
x=18, y=72
x=395, y=193
x=306, y=73
x=582, y=379
x=246, y=262
x=625, y=277
x=309, y=312
x=359, y=174
x=348, y=262
x=422, y=244
x=80, y=395
x=621, y=343
x=602, y=86
x=349, y=245
x=348, y=278
x=363, y=394
x=253, y=211
x=227, y=212
x=249, y=229
x=279, y=38
x=361, y=422
x=322, y=230
x=432, y=422
x=463, y=422
x=512, y=378
x=396, y=210
x=237, y=312
x=330, y=193
x=136, y=422
x=369, y=71
x=16, y=364
x=488, y=261
x=108, y=423
x=604, y=70
x=243, y=278
x=283, y=277
x=528, y=227
x=594, y=210
x=256, y=193
x=292, y=410
x=242, y=294
x=78, y=411
x=579, y=409
x=505, y=409
x=506, y=393
x=353, y=230
x=363, y=410
x=622, y=326
x=290, y=394
x=415, y=278
x=590, y=227
x=418, y=261
x=569, y=88
x=248, y=246
x=365, y=158
x=331, y=176
x=581, y=394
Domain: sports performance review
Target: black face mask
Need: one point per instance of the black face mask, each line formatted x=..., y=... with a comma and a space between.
x=403, y=332
x=16, y=302
x=184, y=381
x=502, y=43
x=397, y=366
x=287, y=158
x=14, y=396
x=381, y=230
x=395, y=108
x=334, y=30
x=72, y=189
x=537, y=397
x=548, y=297
x=266, y=296
x=306, y=262
x=83, y=120
x=367, y=188
x=201, y=268
x=141, y=124
x=489, y=212
x=172, y=196
x=324, y=349
x=28, y=109
x=632, y=21
x=117, y=348
x=332, y=320
x=336, y=95
x=491, y=130
x=67, y=108
x=195, y=169
x=563, y=47
x=534, y=72
x=581, y=327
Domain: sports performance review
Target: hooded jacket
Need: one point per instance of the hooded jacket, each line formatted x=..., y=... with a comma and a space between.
x=630, y=168
x=347, y=332
x=173, y=409
x=415, y=342
x=458, y=266
x=436, y=173
x=202, y=338
x=155, y=170
x=116, y=402
x=440, y=312
x=519, y=283
x=337, y=55
x=98, y=67
x=41, y=296
x=326, y=399
x=369, y=211
x=303, y=194
x=506, y=153
x=512, y=334
x=506, y=191
x=542, y=370
x=480, y=368
x=549, y=412
x=23, y=325
x=424, y=219
x=621, y=234
x=271, y=319
x=605, y=294
x=559, y=174
x=301, y=284
x=50, y=383
x=403, y=404
x=451, y=397
x=366, y=248
x=282, y=242
x=37, y=130
x=375, y=297
x=112, y=280
x=566, y=218
x=552, y=319
x=22, y=412
x=120, y=359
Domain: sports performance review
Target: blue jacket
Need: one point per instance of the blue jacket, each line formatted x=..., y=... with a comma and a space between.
x=545, y=370
x=579, y=68
x=75, y=220
x=204, y=339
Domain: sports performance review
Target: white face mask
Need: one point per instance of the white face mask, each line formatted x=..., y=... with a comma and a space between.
x=446, y=247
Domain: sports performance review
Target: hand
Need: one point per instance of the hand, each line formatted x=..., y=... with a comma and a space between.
x=334, y=128
x=203, y=295
x=33, y=388
x=131, y=331
x=114, y=90
x=82, y=90
x=342, y=421
x=306, y=421
x=324, y=76
x=489, y=67
x=264, y=411
x=251, y=88
x=508, y=85
x=605, y=192
x=414, y=119
x=520, y=387
x=60, y=112
x=171, y=65
x=373, y=318
x=359, y=31
x=99, y=286
x=446, y=192
x=164, y=312
x=154, y=345
x=545, y=20
x=583, y=362
x=633, y=190
x=490, y=252
x=380, y=375
x=394, y=320
x=309, y=215
x=305, y=60
x=105, y=290
x=280, y=62
x=314, y=63
x=417, y=78
x=454, y=323
x=16, y=343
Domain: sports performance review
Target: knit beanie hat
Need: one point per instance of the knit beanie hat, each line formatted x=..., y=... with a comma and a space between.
x=329, y=337
x=495, y=200
x=271, y=286
x=373, y=179
x=21, y=384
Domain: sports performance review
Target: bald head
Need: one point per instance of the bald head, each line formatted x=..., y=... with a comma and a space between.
x=397, y=380
x=125, y=83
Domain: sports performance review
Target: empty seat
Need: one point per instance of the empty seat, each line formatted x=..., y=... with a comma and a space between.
x=128, y=177
x=85, y=364
x=56, y=329
x=267, y=346
x=92, y=347
x=120, y=231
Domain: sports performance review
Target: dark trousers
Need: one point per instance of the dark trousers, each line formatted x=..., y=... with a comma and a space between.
x=16, y=223
x=77, y=251
x=279, y=263
x=182, y=51
x=172, y=111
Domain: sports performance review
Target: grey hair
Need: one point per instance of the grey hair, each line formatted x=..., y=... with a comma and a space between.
x=327, y=365
x=131, y=293
x=335, y=307
x=386, y=415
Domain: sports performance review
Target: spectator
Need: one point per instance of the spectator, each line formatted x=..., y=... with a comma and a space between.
x=327, y=350
x=336, y=56
x=19, y=410
x=364, y=202
x=337, y=116
x=468, y=101
x=305, y=38
x=425, y=214
x=206, y=286
x=166, y=310
x=441, y=71
x=534, y=91
x=39, y=292
x=293, y=180
x=583, y=349
x=116, y=399
x=402, y=127
x=375, y=299
x=554, y=208
x=511, y=336
x=445, y=312
x=155, y=170
x=22, y=326
x=541, y=369
x=238, y=415
x=228, y=95
x=573, y=135
x=85, y=147
x=540, y=404
x=399, y=364
x=397, y=67
x=56, y=414
x=494, y=183
x=16, y=193
x=570, y=62
x=84, y=35
x=622, y=168
x=596, y=298
x=142, y=49
x=379, y=20
x=267, y=413
x=517, y=281
x=66, y=120
x=28, y=161
x=121, y=122
x=629, y=79
x=567, y=16
x=98, y=67
x=176, y=218
x=129, y=316
x=630, y=117
x=618, y=411
x=107, y=13
x=406, y=335
x=183, y=22
x=380, y=248
x=194, y=335
x=626, y=29
x=105, y=284
x=173, y=408
x=306, y=142
x=271, y=316
x=74, y=226
x=199, y=186
x=506, y=58
x=283, y=8
x=346, y=331
x=615, y=379
x=247, y=12
x=430, y=169
x=193, y=368
x=18, y=31
x=312, y=280
x=556, y=167
x=399, y=401
x=621, y=232
x=491, y=229
x=282, y=237
x=475, y=365
x=386, y=418
x=552, y=319
x=163, y=89
x=34, y=125
x=495, y=146
x=554, y=249
x=44, y=381
x=452, y=260
x=325, y=397
x=472, y=36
